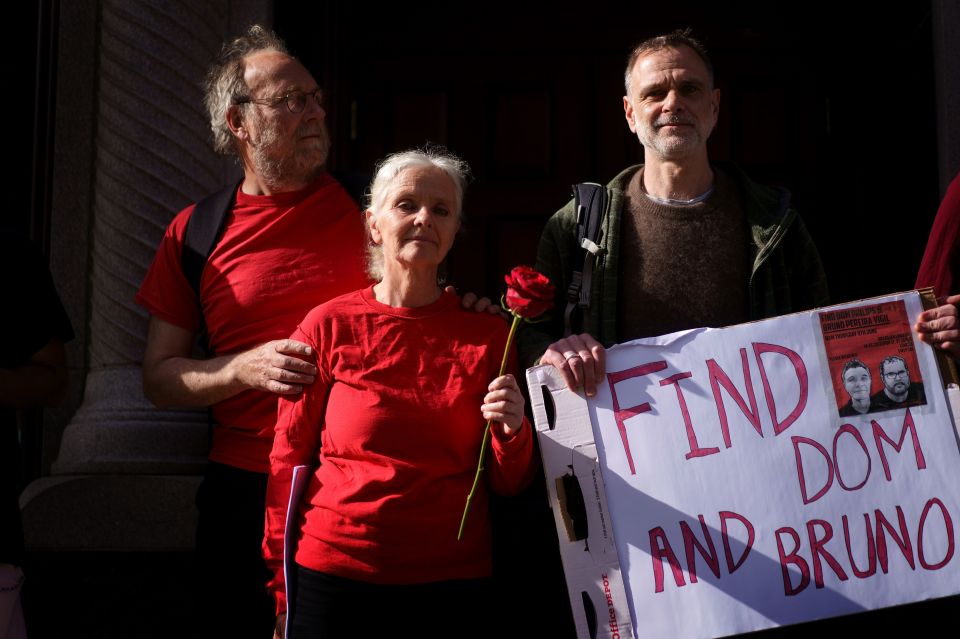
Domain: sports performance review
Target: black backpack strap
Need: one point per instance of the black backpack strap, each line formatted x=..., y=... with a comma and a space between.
x=592, y=203
x=203, y=232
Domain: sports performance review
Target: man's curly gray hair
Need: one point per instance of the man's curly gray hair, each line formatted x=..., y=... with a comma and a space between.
x=225, y=86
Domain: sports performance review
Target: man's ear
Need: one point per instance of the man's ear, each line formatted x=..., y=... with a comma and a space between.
x=628, y=113
x=235, y=122
x=375, y=234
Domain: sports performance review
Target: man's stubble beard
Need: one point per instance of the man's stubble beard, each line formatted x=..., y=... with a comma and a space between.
x=296, y=167
x=668, y=148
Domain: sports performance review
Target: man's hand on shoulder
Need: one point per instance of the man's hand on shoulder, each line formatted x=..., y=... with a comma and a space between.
x=580, y=359
x=173, y=378
x=940, y=327
x=478, y=304
x=282, y=366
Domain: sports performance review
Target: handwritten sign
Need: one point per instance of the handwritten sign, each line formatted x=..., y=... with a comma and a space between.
x=742, y=498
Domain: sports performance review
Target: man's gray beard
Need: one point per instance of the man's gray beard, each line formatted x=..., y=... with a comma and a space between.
x=293, y=169
x=669, y=149
x=673, y=148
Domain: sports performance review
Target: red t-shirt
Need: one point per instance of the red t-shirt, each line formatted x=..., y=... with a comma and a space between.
x=280, y=255
x=394, y=422
x=940, y=267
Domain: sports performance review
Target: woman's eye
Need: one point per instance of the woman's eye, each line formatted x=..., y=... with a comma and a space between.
x=406, y=206
x=441, y=211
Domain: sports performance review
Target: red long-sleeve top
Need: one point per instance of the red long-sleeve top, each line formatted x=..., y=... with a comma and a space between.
x=394, y=422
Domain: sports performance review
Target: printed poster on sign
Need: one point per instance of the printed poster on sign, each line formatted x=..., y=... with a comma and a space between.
x=873, y=363
x=741, y=498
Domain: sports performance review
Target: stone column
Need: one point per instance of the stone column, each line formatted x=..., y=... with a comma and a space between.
x=126, y=474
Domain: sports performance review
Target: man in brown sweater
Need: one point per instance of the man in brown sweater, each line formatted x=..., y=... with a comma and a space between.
x=685, y=243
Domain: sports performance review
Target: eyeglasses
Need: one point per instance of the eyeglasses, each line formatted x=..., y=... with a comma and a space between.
x=296, y=101
x=893, y=375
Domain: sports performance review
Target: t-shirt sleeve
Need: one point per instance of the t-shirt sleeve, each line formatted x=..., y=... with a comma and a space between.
x=296, y=442
x=165, y=291
x=941, y=257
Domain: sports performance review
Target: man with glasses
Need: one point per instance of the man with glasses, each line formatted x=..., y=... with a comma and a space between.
x=898, y=391
x=293, y=240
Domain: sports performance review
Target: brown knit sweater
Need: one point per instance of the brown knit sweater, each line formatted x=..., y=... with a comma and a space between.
x=682, y=266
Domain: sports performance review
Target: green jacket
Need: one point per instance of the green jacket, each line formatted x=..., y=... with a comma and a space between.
x=786, y=276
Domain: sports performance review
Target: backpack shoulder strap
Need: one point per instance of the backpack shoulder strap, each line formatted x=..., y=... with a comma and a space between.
x=204, y=229
x=592, y=203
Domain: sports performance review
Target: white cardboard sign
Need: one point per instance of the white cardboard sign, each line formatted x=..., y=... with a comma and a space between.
x=740, y=497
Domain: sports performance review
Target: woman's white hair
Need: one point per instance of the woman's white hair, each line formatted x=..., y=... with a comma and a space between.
x=393, y=165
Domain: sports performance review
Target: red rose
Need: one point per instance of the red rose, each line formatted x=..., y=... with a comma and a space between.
x=529, y=293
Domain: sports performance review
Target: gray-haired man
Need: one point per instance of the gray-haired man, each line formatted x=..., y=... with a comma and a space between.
x=293, y=240
x=686, y=243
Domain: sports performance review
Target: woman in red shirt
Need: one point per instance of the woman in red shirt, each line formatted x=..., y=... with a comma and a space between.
x=392, y=427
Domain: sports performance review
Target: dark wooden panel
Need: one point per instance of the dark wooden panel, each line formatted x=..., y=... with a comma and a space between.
x=418, y=119
x=522, y=134
x=532, y=98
